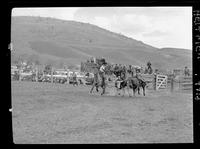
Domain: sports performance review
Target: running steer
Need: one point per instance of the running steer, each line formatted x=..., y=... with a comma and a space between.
x=133, y=83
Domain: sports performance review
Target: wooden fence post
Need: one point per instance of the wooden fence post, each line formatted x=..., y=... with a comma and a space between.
x=42, y=74
x=36, y=76
x=155, y=79
x=52, y=75
x=179, y=84
x=67, y=76
x=20, y=75
x=172, y=84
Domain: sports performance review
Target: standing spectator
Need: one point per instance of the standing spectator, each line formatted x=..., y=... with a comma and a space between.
x=149, y=68
x=156, y=71
x=186, y=71
x=74, y=79
x=103, y=76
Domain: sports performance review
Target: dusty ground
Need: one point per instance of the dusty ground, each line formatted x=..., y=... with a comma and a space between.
x=57, y=113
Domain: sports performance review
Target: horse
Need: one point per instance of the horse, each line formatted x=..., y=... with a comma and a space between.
x=142, y=84
x=98, y=81
x=95, y=83
x=134, y=83
x=120, y=85
x=130, y=81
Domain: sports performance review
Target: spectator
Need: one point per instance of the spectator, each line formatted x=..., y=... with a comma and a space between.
x=186, y=71
x=74, y=77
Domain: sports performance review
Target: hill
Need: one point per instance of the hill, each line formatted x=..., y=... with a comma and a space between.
x=58, y=41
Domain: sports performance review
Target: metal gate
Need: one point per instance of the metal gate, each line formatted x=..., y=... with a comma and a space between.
x=161, y=82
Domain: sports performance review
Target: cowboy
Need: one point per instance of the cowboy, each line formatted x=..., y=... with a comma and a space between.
x=95, y=76
x=102, y=70
x=74, y=78
x=116, y=68
x=118, y=82
x=149, y=64
x=186, y=71
x=149, y=69
x=102, y=75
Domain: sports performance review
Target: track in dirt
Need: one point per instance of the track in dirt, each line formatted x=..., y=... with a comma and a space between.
x=57, y=113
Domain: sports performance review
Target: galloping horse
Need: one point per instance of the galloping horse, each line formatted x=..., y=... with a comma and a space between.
x=95, y=82
x=99, y=81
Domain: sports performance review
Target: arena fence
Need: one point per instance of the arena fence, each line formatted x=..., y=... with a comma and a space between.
x=164, y=82
x=150, y=80
x=161, y=82
x=154, y=82
x=185, y=83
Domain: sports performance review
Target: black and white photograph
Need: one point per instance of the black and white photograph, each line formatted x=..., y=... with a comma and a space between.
x=101, y=75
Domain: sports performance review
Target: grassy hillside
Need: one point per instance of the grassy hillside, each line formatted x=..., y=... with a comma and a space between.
x=72, y=42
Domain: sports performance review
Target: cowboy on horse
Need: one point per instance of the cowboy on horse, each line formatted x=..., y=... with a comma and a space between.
x=103, y=76
x=100, y=72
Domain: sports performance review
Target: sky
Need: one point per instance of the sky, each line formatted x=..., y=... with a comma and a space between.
x=157, y=26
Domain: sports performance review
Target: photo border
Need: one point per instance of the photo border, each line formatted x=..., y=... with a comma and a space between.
x=97, y=3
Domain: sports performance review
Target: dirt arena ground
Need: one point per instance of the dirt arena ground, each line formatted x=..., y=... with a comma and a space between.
x=45, y=113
